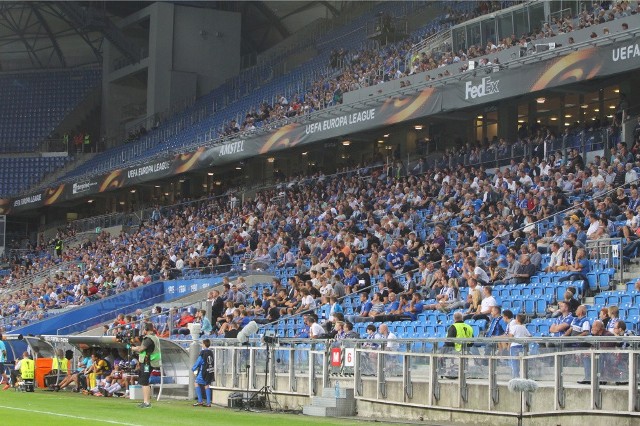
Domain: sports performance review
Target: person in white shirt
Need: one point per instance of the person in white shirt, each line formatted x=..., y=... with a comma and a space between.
x=392, y=344
x=594, y=227
x=478, y=273
x=308, y=302
x=179, y=263
x=315, y=330
x=518, y=330
x=488, y=302
x=630, y=176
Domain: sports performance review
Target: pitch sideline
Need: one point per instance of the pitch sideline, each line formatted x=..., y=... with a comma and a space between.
x=69, y=416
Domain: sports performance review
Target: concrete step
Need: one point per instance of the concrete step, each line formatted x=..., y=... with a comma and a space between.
x=328, y=405
x=320, y=411
x=342, y=393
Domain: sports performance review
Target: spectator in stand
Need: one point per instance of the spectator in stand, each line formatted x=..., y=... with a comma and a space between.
x=517, y=330
x=525, y=271
x=580, y=324
x=365, y=308
x=182, y=325
x=597, y=330
x=390, y=337
x=562, y=322
x=613, y=318
x=315, y=330
x=497, y=326
x=486, y=305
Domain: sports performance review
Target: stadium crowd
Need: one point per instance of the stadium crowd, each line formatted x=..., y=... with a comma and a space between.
x=330, y=224
x=333, y=228
x=370, y=67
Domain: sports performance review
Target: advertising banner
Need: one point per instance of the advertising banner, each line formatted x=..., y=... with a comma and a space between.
x=107, y=309
x=482, y=85
x=101, y=311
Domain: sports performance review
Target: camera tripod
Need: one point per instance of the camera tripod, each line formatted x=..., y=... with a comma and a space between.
x=265, y=391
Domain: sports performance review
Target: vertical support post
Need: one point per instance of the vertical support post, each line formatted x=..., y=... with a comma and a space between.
x=312, y=373
x=235, y=371
x=357, y=377
x=325, y=368
x=633, y=381
x=252, y=368
x=292, y=373
x=463, y=394
x=494, y=393
x=558, y=380
x=595, y=381
x=381, y=382
x=271, y=367
x=434, y=384
x=406, y=379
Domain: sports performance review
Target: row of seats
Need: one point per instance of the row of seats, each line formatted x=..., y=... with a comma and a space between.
x=19, y=174
x=35, y=103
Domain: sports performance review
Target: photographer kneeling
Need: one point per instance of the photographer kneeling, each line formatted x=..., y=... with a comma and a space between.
x=149, y=358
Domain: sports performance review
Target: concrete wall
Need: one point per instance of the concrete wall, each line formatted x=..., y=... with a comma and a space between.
x=450, y=408
x=191, y=51
x=206, y=42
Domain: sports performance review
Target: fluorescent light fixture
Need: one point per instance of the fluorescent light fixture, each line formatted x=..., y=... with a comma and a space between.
x=418, y=127
x=346, y=143
x=210, y=173
x=541, y=100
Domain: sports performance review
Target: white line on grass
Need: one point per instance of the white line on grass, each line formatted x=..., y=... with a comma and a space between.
x=69, y=415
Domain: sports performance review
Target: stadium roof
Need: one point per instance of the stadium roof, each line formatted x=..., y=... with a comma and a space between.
x=39, y=34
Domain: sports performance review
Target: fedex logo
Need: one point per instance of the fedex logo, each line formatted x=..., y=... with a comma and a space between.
x=486, y=87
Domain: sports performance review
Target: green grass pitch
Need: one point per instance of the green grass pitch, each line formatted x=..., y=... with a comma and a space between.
x=69, y=409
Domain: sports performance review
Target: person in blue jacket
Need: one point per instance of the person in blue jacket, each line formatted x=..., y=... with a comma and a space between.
x=204, y=372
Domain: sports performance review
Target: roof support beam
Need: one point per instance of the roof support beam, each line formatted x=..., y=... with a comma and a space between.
x=54, y=40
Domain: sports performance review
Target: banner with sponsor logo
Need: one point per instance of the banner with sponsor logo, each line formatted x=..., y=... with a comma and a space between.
x=483, y=85
x=477, y=87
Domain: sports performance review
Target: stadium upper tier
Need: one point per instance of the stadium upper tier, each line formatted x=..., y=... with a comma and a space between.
x=35, y=103
x=318, y=84
x=309, y=87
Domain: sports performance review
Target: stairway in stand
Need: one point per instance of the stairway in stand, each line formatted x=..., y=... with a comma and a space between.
x=331, y=405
